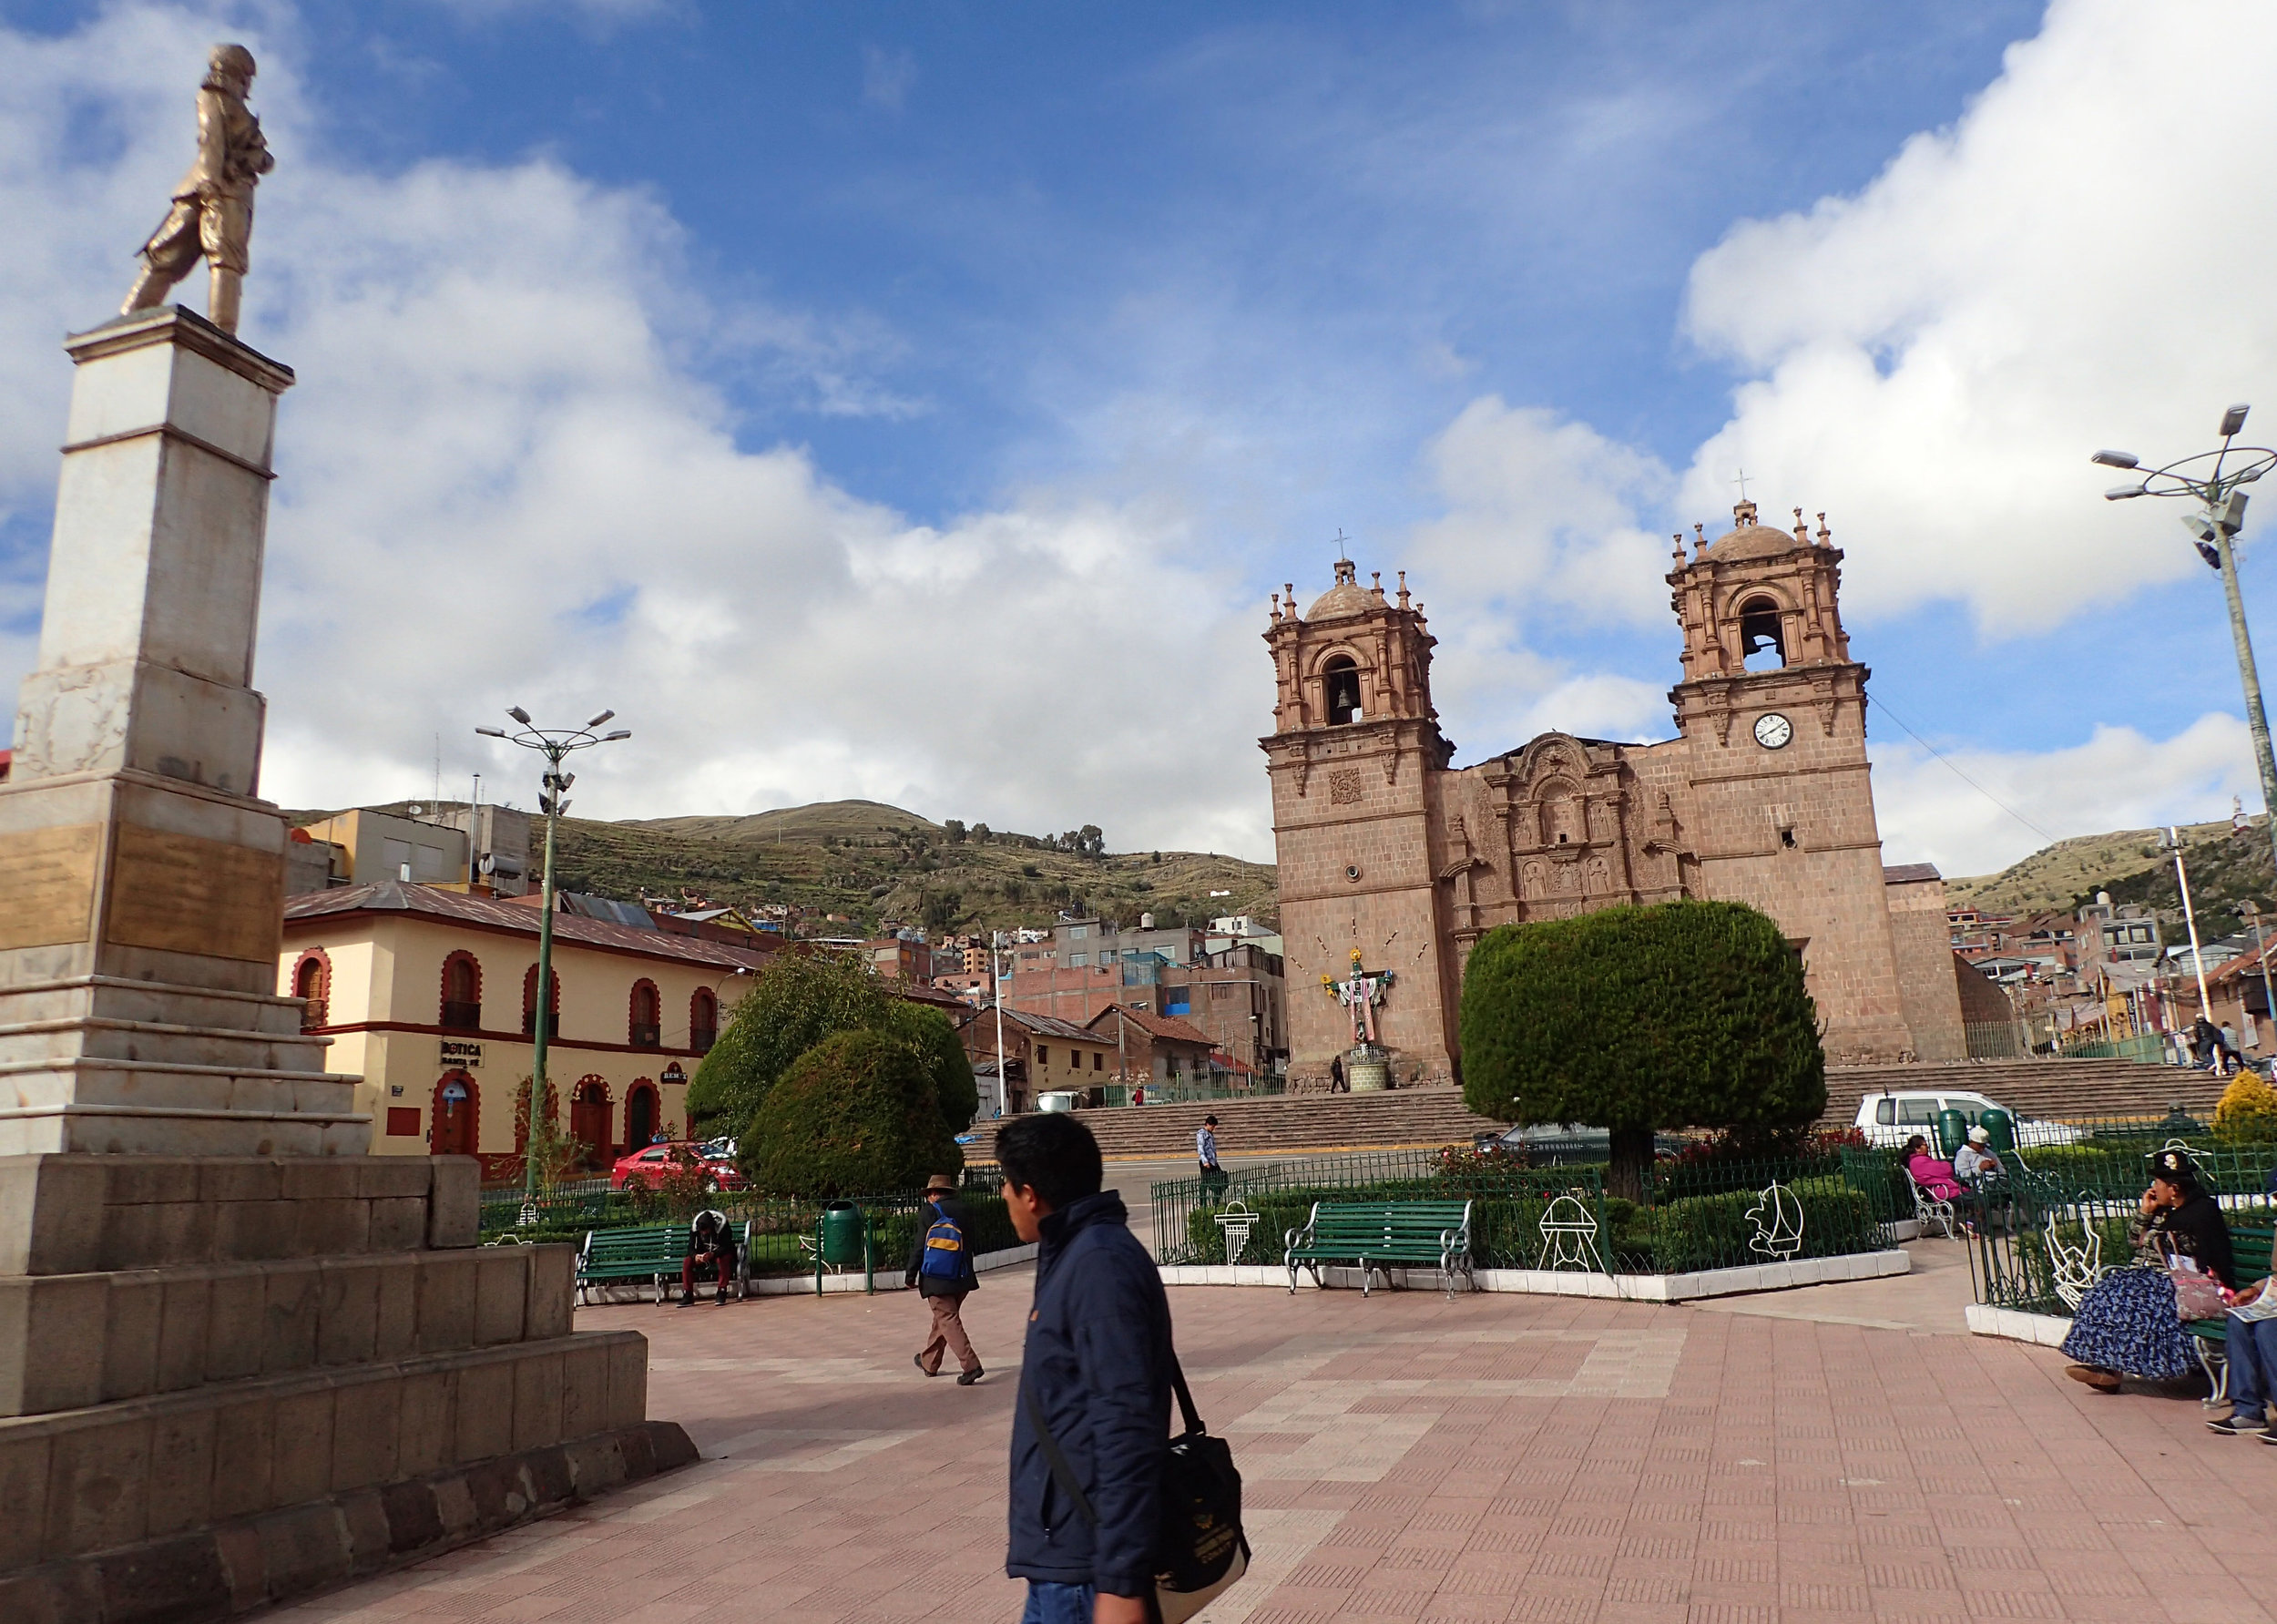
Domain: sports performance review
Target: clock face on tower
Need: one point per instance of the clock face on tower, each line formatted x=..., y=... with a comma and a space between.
x=1772, y=729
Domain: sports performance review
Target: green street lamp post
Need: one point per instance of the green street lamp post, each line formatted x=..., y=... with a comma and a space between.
x=555, y=744
x=2215, y=481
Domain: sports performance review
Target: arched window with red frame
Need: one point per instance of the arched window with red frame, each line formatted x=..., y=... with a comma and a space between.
x=703, y=1020
x=647, y=1015
x=312, y=984
x=463, y=992
x=530, y=1005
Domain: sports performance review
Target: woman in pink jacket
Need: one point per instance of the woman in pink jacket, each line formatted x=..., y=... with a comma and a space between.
x=1933, y=1173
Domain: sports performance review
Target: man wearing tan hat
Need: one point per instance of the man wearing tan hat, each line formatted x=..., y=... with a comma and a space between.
x=941, y=1268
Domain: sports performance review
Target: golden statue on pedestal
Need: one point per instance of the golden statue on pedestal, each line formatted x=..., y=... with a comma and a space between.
x=213, y=204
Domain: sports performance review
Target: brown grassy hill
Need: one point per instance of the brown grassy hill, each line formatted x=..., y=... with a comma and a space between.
x=2225, y=868
x=844, y=819
x=877, y=864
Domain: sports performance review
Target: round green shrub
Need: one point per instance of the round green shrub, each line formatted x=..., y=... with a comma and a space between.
x=792, y=1006
x=856, y=1115
x=1681, y=1014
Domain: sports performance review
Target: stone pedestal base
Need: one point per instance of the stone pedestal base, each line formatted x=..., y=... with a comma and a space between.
x=249, y=1562
x=229, y=1378
x=1367, y=1069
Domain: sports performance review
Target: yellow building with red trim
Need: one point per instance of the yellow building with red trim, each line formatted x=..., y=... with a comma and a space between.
x=431, y=996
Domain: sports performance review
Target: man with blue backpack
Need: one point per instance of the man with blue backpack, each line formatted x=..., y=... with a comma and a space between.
x=941, y=1268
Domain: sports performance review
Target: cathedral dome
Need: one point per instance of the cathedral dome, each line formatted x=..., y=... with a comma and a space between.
x=1755, y=541
x=1347, y=597
x=1344, y=598
x=1751, y=539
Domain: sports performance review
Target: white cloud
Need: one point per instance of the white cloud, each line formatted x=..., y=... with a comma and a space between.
x=503, y=481
x=2118, y=780
x=1541, y=522
x=2071, y=265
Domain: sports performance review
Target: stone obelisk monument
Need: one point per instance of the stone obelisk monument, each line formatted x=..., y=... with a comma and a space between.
x=239, y=1357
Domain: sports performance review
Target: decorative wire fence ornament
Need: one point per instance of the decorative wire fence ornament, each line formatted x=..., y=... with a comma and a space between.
x=1778, y=1220
x=1569, y=1236
x=1237, y=1221
x=2078, y=1268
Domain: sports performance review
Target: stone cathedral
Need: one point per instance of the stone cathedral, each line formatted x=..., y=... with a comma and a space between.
x=1388, y=851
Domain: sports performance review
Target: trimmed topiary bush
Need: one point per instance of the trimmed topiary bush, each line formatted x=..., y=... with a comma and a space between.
x=1682, y=1015
x=857, y=1114
x=796, y=1004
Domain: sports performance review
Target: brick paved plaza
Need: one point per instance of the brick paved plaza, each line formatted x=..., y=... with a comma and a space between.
x=1495, y=1457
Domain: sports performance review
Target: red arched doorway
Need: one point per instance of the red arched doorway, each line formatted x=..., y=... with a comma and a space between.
x=640, y=1115
x=458, y=1129
x=589, y=1121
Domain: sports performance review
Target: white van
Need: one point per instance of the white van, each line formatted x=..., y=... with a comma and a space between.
x=1893, y=1118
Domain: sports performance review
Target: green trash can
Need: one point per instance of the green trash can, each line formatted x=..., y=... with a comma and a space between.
x=841, y=1235
x=2000, y=1129
x=1952, y=1133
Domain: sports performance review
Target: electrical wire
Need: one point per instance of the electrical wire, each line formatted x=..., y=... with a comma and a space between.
x=1964, y=777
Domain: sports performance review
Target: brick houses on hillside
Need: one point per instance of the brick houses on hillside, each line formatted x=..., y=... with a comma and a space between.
x=1155, y=1050
x=1041, y=1054
x=1236, y=996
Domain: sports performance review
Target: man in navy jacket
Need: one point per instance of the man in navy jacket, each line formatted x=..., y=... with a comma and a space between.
x=1097, y=1368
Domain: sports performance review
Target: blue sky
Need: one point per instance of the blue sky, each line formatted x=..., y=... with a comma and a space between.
x=919, y=401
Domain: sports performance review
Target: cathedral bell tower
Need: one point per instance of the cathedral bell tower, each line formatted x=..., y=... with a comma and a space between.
x=1773, y=711
x=1355, y=760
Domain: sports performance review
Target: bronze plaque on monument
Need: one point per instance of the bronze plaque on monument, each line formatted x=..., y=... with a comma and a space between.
x=180, y=894
x=48, y=877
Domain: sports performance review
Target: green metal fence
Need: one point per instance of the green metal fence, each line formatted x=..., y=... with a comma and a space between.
x=1695, y=1214
x=2066, y=1211
x=785, y=1229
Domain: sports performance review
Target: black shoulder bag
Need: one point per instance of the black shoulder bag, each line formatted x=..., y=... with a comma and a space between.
x=1200, y=1552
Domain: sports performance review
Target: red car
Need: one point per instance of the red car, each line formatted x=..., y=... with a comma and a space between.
x=654, y=1163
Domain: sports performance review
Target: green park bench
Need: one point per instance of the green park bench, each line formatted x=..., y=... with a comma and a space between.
x=1377, y=1234
x=653, y=1252
x=2250, y=1247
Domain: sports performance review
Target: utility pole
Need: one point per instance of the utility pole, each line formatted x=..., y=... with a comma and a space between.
x=555, y=744
x=995, y=977
x=2173, y=841
x=2260, y=951
x=2216, y=481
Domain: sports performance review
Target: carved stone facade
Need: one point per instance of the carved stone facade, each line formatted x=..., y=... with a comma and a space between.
x=1763, y=797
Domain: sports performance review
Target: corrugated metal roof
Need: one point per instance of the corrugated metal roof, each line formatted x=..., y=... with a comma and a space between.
x=392, y=896
x=1160, y=1025
x=1906, y=873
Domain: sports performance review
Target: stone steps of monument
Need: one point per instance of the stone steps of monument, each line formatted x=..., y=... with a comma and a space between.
x=2049, y=1088
x=152, y=1108
x=269, y=1442
x=113, y=997
x=100, y=1338
x=1424, y=1115
x=66, y=1037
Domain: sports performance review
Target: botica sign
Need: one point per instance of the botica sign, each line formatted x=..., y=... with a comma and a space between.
x=457, y=1051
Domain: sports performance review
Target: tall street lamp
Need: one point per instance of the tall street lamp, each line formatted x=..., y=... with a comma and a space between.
x=2215, y=480
x=555, y=745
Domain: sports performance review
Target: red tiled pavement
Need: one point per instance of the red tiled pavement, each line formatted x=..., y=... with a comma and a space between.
x=1548, y=1460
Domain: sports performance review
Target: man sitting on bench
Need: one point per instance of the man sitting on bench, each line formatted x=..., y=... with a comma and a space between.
x=711, y=1244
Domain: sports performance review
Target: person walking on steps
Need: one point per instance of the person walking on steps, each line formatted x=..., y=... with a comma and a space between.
x=1094, y=1408
x=1205, y=1152
x=710, y=1247
x=941, y=1268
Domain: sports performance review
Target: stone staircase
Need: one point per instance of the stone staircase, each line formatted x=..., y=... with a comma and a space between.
x=1424, y=1115
x=1437, y=1116
x=2059, y=1089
